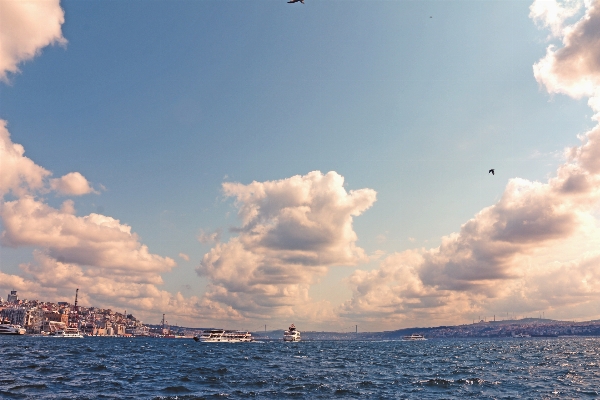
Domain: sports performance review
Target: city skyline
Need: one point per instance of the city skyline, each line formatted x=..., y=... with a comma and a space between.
x=239, y=164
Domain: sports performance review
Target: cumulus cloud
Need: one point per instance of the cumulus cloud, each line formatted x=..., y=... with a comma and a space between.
x=25, y=28
x=72, y=184
x=574, y=68
x=524, y=253
x=509, y=257
x=94, y=239
x=48, y=278
x=184, y=256
x=94, y=251
x=292, y=230
x=552, y=14
x=19, y=174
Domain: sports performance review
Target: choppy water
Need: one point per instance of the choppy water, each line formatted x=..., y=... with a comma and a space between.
x=118, y=368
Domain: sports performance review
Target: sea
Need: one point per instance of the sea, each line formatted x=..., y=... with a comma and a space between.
x=152, y=368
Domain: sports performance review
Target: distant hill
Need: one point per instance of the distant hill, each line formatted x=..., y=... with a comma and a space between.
x=541, y=327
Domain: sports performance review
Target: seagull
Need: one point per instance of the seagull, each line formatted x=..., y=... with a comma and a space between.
x=295, y=1
x=492, y=171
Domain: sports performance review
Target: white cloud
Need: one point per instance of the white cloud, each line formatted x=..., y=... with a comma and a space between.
x=22, y=177
x=48, y=278
x=510, y=256
x=25, y=28
x=574, y=69
x=552, y=14
x=19, y=174
x=292, y=230
x=184, y=256
x=534, y=250
x=71, y=184
x=94, y=252
x=94, y=239
x=214, y=237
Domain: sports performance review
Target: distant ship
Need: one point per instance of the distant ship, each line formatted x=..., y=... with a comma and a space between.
x=414, y=336
x=291, y=335
x=68, y=333
x=223, y=336
x=8, y=329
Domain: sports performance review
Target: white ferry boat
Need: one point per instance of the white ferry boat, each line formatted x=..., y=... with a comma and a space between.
x=9, y=329
x=291, y=335
x=224, y=336
x=414, y=336
x=68, y=333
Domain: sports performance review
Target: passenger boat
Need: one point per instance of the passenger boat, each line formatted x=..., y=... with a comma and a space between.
x=224, y=336
x=414, y=336
x=291, y=335
x=68, y=333
x=10, y=329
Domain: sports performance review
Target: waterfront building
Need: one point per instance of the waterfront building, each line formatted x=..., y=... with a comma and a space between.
x=53, y=326
x=12, y=297
x=16, y=315
x=56, y=317
x=34, y=319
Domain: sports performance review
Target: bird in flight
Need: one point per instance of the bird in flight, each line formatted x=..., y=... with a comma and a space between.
x=492, y=171
x=295, y=1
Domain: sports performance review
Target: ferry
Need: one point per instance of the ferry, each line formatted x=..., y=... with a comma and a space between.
x=414, y=336
x=291, y=335
x=9, y=329
x=224, y=336
x=68, y=333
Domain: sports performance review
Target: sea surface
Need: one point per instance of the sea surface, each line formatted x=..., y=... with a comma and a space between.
x=143, y=368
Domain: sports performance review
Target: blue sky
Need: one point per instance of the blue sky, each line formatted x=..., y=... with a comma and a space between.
x=157, y=104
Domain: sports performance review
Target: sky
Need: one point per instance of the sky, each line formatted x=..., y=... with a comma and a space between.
x=239, y=164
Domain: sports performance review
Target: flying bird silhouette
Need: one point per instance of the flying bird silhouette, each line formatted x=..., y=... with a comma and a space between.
x=492, y=171
x=295, y=1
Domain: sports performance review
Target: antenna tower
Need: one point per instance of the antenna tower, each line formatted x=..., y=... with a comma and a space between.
x=76, y=293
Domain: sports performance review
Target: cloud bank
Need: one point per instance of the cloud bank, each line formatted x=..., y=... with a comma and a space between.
x=25, y=28
x=292, y=231
x=93, y=251
x=537, y=248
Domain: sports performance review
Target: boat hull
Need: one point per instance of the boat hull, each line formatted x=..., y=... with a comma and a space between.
x=197, y=339
x=413, y=338
x=11, y=330
x=223, y=336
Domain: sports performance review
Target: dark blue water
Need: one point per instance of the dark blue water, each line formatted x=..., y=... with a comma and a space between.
x=118, y=368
